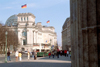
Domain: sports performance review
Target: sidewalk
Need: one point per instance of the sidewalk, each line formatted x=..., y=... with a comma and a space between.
x=2, y=57
x=39, y=59
x=62, y=61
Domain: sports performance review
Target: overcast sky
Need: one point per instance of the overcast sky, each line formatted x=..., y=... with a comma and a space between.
x=54, y=10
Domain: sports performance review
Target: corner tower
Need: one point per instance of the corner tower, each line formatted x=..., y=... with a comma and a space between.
x=25, y=25
x=26, y=19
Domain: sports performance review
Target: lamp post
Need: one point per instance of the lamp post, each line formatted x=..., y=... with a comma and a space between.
x=6, y=47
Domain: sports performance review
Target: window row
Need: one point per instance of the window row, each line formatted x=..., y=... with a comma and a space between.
x=25, y=19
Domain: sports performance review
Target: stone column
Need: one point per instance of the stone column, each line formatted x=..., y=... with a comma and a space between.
x=36, y=37
x=28, y=37
x=85, y=35
x=33, y=36
x=40, y=48
x=19, y=37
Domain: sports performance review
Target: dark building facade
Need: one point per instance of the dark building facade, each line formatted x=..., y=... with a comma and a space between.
x=85, y=33
x=66, y=38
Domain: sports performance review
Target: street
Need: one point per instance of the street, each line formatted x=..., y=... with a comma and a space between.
x=62, y=61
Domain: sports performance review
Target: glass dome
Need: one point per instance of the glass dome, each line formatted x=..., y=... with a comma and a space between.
x=12, y=20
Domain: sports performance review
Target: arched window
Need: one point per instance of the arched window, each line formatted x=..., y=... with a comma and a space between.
x=24, y=33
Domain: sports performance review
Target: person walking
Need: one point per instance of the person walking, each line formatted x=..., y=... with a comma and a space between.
x=20, y=56
x=57, y=53
x=16, y=55
x=28, y=55
x=70, y=54
x=49, y=54
x=53, y=54
x=65, y=52
x=33, y=54
x=61, y=52
x=8, y=56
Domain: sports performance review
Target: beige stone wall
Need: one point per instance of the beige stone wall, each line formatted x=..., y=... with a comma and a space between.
x=85, y=33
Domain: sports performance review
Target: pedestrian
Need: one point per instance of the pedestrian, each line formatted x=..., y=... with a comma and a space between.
x=57, y=53
x=8, y=56
x=61, y=52
x=49, y=54
x=20, y=56
x=16, y=55
x=53, y=54
x=28, y=55
x=33, y=54
x=65, y=52
x=70, y=54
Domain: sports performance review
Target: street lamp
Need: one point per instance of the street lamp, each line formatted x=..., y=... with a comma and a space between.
x=6, y=47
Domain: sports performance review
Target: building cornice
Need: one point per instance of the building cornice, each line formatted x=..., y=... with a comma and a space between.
x=26, y=14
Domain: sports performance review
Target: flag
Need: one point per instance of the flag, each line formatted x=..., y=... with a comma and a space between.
x=46, y=40
x=24, y=6
x=48, y=21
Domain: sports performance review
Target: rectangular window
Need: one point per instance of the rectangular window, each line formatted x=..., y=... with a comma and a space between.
x=27, y=18
x=24, y=18
x=21, y=19
x=24, y=42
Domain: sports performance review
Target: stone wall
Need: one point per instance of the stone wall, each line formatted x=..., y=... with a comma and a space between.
x=85, y=33
x=66, y=38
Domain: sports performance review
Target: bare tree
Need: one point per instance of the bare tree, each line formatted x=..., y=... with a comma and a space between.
x=12, y=38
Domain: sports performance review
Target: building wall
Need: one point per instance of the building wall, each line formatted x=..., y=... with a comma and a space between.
x=66, y=38
x=85, y=33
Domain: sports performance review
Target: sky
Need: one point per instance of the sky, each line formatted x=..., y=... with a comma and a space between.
x=57, y=11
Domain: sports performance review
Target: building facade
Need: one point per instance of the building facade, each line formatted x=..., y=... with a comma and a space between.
x=32, y=36
x=85, y=33
x=66, y=38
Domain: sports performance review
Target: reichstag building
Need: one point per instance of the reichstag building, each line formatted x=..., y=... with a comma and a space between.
x=31, y=35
